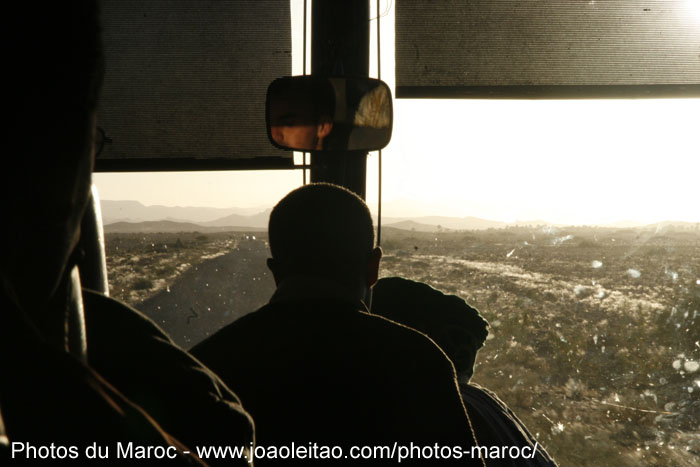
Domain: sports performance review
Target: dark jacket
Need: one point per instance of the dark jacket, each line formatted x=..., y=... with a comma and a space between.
x=136, y=356
x=496, y=425
x=325, y=371
x=48, y=397
x=460, y=331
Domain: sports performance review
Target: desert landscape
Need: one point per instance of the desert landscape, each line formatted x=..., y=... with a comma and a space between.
x=594, y=334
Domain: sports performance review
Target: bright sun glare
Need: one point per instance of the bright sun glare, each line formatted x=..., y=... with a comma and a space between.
x=694, y=7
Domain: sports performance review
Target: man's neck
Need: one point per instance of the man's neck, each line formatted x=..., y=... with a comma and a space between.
x=305, y=287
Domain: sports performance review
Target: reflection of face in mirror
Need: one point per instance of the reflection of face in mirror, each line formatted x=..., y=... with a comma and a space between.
x=302, y=136
x=314, y=113
x=301, y=113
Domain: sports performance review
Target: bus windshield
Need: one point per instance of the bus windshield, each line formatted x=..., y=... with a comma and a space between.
x=571, y=225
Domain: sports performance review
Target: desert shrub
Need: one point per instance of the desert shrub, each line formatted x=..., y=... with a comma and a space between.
x=391, y=245
x=654, y=250
x=142, y=284
x=587, y=244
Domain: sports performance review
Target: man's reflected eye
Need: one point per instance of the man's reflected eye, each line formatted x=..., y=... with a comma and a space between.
x=293, y=120
x=286, y=121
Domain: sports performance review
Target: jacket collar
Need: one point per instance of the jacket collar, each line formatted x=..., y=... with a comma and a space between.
x=300, y=288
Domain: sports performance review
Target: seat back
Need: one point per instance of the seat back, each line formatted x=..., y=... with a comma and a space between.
x=93, y=262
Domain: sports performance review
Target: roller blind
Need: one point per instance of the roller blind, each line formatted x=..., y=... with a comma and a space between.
x=185, y=82
x=547, y=48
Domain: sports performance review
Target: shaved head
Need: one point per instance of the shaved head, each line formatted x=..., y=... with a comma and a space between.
x=321, y=229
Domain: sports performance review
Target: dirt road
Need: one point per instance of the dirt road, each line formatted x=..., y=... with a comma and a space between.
x=213, y=293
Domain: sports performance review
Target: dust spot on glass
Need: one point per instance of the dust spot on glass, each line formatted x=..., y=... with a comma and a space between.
x=633, y=273
x=673, y=275
x=560, y=240
x=649, y=394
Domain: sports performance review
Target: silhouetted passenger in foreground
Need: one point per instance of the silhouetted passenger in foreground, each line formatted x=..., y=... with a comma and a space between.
x=460, y=331
x=130, y=351
x=313, y=366
x=48, y=392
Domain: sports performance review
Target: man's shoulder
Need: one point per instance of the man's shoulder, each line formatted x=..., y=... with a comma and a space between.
x=52, y=395
x=399, y=340
x=130, y=351
x=240, y=329
x=110, y=317
x=118, y=333
x=304, y=314
x=335, y=324
x=126, y=344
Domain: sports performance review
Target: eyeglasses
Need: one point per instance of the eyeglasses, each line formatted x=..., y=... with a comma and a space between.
x=101, y=139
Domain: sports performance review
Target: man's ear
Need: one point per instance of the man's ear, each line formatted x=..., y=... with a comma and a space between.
x=324, y=127
x=373, y=266
x=272, y=266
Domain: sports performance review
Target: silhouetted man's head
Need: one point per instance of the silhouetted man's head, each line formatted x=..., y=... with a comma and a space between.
x=54, y=64
x=323, y=230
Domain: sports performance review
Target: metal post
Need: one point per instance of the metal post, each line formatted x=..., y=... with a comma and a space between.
x=340, y=47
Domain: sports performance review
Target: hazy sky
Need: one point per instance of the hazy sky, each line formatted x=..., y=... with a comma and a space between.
x=561, y=161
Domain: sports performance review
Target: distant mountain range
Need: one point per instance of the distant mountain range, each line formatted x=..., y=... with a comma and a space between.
x=258, y=220
x=134, y=211
x=133, y=216
x=172, y=226
x=441, y=223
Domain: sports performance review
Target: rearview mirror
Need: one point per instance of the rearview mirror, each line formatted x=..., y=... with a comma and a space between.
x=310, y=113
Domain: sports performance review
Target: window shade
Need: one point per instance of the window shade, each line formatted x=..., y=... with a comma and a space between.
x=185, y=83
x=547, y=49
